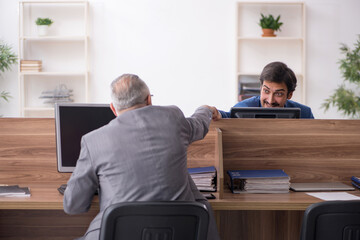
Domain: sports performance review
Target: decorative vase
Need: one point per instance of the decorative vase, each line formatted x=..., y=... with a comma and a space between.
x=267, y=32
x=43, y=30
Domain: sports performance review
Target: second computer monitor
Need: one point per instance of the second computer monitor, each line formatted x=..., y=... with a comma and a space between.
x=260, y=112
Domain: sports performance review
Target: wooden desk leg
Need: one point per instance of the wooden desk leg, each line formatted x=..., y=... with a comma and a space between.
x=217, y=219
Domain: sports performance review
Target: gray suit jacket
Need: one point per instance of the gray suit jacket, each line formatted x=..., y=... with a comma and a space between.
x=139, y=156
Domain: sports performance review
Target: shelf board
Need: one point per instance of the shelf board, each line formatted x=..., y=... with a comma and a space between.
x=36, y=112
x=248, y=74
x=270, y=38
x=258, y=74
x=55, y=38
x=52, y=2
x=53, y=73
x=261, y=3
x=39, y=109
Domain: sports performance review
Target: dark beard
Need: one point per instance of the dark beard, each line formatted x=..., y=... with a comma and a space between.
x=272, y=105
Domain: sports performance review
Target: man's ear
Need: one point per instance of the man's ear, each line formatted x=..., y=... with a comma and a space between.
x=290, y=95
x=148, y=100
x=113, y=109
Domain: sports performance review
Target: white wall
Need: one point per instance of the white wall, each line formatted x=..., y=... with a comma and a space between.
x=9, y=34
x=185, y=50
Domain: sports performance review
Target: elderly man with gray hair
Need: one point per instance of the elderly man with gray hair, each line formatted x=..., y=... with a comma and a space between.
x=141, y=155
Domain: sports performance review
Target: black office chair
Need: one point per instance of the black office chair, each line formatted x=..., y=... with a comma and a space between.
x=175, y=220
x=332, y=220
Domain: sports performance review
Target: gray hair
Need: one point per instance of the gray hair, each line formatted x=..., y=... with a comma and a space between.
x=127, y=91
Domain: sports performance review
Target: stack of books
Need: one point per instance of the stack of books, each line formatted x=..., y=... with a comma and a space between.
x=30, y=65
x=14, y=191
x=204, y=178
x=259, y=181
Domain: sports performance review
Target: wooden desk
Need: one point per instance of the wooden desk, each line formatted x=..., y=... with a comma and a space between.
x=44, y=196
x=308, y=150
x=243, y=216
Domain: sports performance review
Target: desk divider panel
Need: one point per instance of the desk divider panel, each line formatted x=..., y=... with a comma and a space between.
x=28, y=151
x=219, y=162
x=307, y=150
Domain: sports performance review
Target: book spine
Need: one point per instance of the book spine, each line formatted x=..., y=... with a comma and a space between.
x=355, y=179
x=355, y=185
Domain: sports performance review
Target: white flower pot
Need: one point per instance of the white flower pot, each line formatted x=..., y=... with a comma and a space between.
x=43, y=30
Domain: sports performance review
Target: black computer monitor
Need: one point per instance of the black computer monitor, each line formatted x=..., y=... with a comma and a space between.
x=72, y=121
x=260, y=112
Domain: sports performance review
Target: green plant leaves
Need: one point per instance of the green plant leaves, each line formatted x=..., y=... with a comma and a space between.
x=350, y=65
x=5, y=95
x=347, y=101
x=270, y=22
x=44, y=21
x=7, y=58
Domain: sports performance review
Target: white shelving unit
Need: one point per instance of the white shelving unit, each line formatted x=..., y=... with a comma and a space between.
x=63, y=52
x=255, y=51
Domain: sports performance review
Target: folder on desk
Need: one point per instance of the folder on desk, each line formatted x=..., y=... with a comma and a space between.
x=204, y=178
x=259, y=181
x=320, y=186
x=14, y=191
x=355, y=181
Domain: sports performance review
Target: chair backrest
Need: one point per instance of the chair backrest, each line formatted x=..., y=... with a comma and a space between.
x=175, y=220
x=338, y=220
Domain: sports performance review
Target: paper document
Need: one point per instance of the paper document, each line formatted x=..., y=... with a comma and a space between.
x=332, y=196
x=14, y=191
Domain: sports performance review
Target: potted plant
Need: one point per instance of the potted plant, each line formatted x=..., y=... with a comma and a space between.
x=347, y=96
x=43, y=25
x=7, y=58
x=269, y=25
